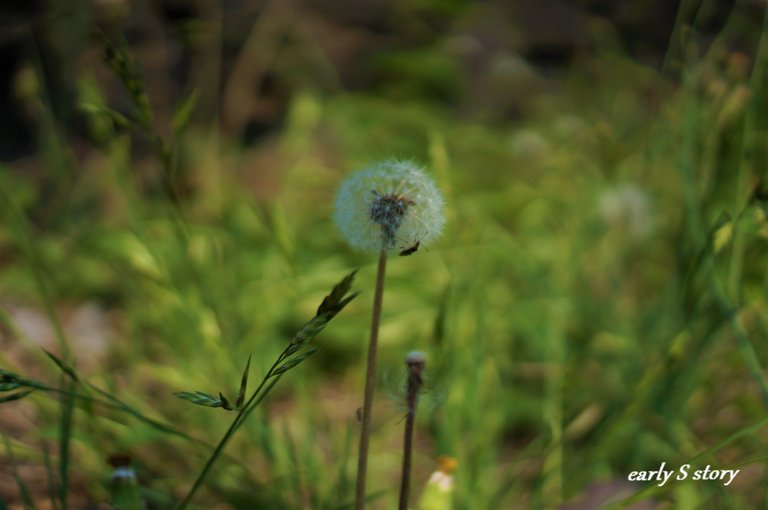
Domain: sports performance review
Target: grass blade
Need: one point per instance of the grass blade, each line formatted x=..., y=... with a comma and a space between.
x=291, y=363
x=243, y=385
x=63, y=366
x=26, y=497
x=15, y=396
x=65, y=436
x=51, y=477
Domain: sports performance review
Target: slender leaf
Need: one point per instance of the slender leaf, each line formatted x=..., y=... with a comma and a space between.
x=292, y=348
x=225, y=403
x=65, y=436
x=243, y=385
x=51, y=478
x=6, y=376
x=98, y=110
x=26, y=498
x=333, y=301
x=184, y=112
x=10, y=385
x=64, y=366
x=15, y=396
x=294, y=361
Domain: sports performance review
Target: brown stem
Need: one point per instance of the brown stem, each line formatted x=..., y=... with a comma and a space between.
x=370, y=383
x=415, y=363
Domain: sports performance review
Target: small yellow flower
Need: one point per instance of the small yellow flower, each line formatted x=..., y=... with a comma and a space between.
x=438, y=493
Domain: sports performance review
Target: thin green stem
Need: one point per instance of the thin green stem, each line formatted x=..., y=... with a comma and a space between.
x=752, y=151
x=65, y=435
x=26, y=497
x=51, y=489
x=21, y=228
x=249, y=406
x=288, y=359
x=370, y=383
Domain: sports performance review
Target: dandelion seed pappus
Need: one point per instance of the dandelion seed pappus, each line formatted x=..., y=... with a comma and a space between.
x=431, y=394
x=389, y=200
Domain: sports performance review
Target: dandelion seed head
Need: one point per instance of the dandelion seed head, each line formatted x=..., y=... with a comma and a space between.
x=123, y=473
x=390, y=204
x=628, y=207
x=416, y=358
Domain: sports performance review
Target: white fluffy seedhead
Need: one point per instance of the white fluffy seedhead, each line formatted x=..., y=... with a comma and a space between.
x=388, y=202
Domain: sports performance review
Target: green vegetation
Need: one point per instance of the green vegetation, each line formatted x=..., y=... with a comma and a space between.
x=596, y=305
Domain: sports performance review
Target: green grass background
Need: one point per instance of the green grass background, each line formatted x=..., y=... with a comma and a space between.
x=596, y=305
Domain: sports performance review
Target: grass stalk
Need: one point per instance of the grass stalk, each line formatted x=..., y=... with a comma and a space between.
x=24, y=494
x=288, y=359
x=370, y=383
x=51, y=488
x=65, y=436
x=252, y=403
x=20, y=227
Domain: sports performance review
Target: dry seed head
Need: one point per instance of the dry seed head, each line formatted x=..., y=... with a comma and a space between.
x=389, y=201
x=416, y=359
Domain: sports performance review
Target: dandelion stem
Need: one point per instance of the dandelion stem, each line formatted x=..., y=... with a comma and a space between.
x=370, y=382
x=415, y=363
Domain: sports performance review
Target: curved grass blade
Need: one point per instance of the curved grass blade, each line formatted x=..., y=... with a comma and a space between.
x=243, y=385
x=15, y=396
x=294, y=361
x=26, y=497
x=63, y=366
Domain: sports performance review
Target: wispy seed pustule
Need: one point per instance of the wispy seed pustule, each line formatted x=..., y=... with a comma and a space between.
x=389, y=204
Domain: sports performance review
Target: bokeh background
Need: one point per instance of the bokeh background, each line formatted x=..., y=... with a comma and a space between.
x=596, y=305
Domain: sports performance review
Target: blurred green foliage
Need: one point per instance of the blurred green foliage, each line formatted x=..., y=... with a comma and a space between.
x=596, y=306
